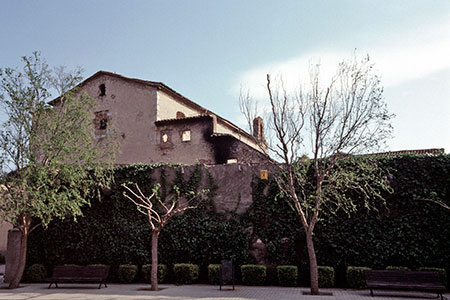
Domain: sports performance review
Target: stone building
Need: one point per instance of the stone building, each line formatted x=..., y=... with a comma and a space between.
x=155, y=124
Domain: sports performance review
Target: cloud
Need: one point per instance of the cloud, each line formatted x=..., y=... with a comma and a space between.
x=398, y=57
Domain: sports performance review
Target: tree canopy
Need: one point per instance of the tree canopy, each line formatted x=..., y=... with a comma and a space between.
x=50, y=158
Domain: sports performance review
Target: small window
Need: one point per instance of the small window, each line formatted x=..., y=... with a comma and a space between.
x=186, y=136
x=232, y=161
x=103, y=124
x=102, y=90
x=102, y=120
x=180, y=115
x=164, y=138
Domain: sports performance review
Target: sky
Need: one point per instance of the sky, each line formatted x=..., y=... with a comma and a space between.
x=207, y=50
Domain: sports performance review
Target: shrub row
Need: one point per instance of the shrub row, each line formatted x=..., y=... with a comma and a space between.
x=183, y=273
x=251, y=274
x=286, y=275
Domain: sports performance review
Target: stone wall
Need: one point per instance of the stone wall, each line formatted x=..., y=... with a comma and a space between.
x=234, y=183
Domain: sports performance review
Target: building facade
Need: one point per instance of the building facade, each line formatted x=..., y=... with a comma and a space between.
x=155, y=124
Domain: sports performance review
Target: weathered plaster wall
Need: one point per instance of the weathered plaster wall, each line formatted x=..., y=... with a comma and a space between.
x=132, y=111
x=197, y=150
x=168, y=107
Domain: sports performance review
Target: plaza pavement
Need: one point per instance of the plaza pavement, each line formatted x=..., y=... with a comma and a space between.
x=196, y=291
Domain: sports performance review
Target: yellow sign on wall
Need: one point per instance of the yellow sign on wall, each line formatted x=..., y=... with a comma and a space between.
x=264, y=174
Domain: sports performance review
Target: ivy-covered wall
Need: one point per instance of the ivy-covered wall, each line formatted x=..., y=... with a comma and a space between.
x=408, y=231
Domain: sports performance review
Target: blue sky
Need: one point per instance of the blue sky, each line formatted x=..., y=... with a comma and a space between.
x=206, y=50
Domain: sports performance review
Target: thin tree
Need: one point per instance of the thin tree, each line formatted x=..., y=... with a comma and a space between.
x=159, y=211
x=314, y=133
x=50, y=161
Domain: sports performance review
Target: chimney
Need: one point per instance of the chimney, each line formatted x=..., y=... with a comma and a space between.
x=258, y=129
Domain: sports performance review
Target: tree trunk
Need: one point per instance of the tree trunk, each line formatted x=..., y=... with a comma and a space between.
x=154, y=273
x=14, y=283
x=312, y=263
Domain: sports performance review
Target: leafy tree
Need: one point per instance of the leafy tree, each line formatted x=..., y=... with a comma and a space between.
x=50, y=160
x=329, y=123
x=159, y=211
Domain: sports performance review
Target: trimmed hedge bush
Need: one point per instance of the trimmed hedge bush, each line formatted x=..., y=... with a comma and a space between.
x=36, y=273
x=185, y=273
x=213, y=274
x=254, y=274
x=326, y=276
x=287, y=275
x=127, y=273
x=441, y=271
x=147, y=272
x=355, y=277
x=398, y=268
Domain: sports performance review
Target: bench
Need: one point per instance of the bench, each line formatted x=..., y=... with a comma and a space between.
x=79, y=274
x=424, y=281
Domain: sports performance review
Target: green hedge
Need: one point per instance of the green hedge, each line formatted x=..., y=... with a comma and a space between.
x=147, y=272
x=355, y=277
x=253, y=274
x=213, y=274
x=287, y=275
x=127, y=273
x=36, y=273
x=185, y=273
x=326, y=276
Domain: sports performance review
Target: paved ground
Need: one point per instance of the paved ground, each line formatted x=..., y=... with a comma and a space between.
x=188, y=292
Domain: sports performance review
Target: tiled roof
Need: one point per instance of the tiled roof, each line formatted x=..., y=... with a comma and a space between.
x=433, y=151
x=182, y=120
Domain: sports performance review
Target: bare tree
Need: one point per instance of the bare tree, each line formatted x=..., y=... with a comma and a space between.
x=159, y=212
x=328, y=123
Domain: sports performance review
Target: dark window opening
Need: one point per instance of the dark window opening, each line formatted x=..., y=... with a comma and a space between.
x=102, y=88
x=103, y=124
x=180, y=115
x=101, y=121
